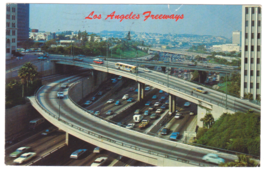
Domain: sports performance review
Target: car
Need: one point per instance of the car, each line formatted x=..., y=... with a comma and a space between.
x=130, y=100
x=187, y=104
x=99, y=161
x=109, y=112
x=64, y=85
x=166, y=94
x=49, y=131
x=97, y=113
x=136, y=91
x=147, y=88
x=19, y=151
x=119, y=77
x=110, y=101
x=146, y=70
x=42, y=58
x=154, y=97
x=80, y=55
x=164, y=131
x=114, y=81
x=157, y=104
x=191, y=113
x=164, y=106
x=121, y=124
x=88, y=102
x=163, y=97
x=24, y=157
x=143, y=124
x=130, y=125
x=217, y=67
x=125, y=97
x=78, y=59
x=148, y=103
x=97, y=150
x=160, y=91
x=178, y=116
x=99, y=93
x=213, y=158
x=60, y=95
x=174, y=135
x=78, y=153
x=160, y=100
x=200, y=89
x=147, y=112
x=158, y=110
x=151, y=108
x=153, y=116
x=91, y=111
x=137, y=111
x=131, y=89
x=117, y=103
x=93, y=99
x=167, y=102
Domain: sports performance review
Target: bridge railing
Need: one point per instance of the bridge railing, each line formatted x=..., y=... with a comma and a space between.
x=114, y=141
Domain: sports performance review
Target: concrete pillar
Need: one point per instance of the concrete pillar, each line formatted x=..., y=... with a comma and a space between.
x=141, y=91
x=172, y=103
x=67, y=139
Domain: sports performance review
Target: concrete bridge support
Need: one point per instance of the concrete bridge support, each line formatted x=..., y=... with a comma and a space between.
x=172, y=103
x=141, y=91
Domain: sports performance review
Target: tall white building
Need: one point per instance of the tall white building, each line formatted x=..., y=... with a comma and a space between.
x=11, y=29
x=251, y=51
x=236, y=37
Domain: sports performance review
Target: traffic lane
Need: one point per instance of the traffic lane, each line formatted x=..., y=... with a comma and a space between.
x=41, y=145
x=71, y=114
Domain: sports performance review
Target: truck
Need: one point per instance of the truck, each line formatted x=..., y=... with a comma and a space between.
x=143, y=124
x=137, y=118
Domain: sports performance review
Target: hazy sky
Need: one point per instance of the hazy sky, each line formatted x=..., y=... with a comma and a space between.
x=216, y=20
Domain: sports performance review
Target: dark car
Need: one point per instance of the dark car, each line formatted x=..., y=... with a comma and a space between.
x=93, y=98
x=163, y=106
x=117, y=103
x=136, y=91
x=151, y=108
x=153, y=116
x=148, y=103
x=163, y=97
x=130, y=100
x=154, y=97
x=99, y=93
x=165, y=131
x=49, y=131
x=131, y=89
x=167, y=102
x=110, y=112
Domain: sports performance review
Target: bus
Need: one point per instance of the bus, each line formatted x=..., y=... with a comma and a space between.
x=98, y=61
x=126, y=67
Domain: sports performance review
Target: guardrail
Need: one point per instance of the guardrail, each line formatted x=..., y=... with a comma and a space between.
x=121, y=143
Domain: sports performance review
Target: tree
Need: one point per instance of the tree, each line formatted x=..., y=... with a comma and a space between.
x=27, y=44
x=242, y=161
x=248, y=96
x=27, y=73
x=195, y=75
x=208, y=120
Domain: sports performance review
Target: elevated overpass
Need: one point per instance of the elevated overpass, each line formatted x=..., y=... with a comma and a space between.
x=179, y=52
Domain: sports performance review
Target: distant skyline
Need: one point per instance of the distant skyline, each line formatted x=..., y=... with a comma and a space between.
x=215, y=20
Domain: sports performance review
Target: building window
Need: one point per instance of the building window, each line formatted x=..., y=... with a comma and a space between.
x=252, y=48
x=7, y=32
x=13, y=9
x=257, y=85
x=8, y=17
x=252, y=60
x=258, y=73
x=7, y=50
x=259, y=10
x=252, y=10
x=258, y=48
x=259, y=23
x=13, y=17
x=258, y=60
x=8, y=9
x=251, y=72
x=246, y=72
x=7, y=24
x=13, y=25
x=245, y=85
x=259, y=35
x=246, y=48
x=13, y=40
x=246, y=35
x=246, y=10
x=246, y=60
x=252, y=23
x=251, y=85
x=252, y=35
x=7, y=41
x=246, y=23
x=13, y=32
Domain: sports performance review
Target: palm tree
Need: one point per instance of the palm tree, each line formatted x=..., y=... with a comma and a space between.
x=27, y=73
x=242, y=161
x=208, y=120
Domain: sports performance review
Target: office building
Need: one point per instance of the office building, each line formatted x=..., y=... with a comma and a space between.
x=23, y=22
x=236, y=38
x=251, y=51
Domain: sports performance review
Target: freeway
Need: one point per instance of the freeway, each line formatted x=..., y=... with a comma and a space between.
x=173, y=83
x=71, y=113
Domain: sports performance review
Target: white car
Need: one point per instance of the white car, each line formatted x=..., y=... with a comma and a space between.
x=157, y=104
x=178, y=116
x=147, y=88
x=158, y=110
x=110, y=101
x=130, y=125
x=24, y=157
x=125, y=97
x=88, y=102
x=213, y=158
x=60, y=95
x=191, y=113
x=19, y=151
x=99, y=161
